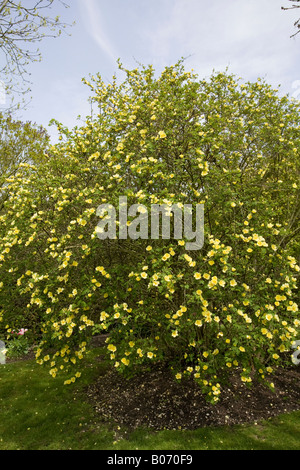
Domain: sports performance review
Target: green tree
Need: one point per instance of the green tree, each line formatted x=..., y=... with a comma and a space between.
x=23, y=24
x=171, y=139
x=19, y=143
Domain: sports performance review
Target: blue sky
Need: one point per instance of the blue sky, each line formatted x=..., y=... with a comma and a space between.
x=249, y=37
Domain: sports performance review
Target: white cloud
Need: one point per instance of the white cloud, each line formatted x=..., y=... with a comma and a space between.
x=250, y=37
x=65, y=100
x=95, y=26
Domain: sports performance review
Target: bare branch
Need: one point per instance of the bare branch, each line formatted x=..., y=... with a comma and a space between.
x=23, y=24
x=297, y=22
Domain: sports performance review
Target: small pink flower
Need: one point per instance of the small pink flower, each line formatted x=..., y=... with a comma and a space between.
x=22, y=332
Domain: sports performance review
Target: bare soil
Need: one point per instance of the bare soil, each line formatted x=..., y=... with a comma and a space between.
x=154, y=400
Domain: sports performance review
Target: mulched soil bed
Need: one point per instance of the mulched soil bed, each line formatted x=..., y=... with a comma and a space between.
x=154, y=400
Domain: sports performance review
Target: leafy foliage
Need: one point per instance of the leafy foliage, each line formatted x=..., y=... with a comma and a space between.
x=19, y=143
x=231, y=146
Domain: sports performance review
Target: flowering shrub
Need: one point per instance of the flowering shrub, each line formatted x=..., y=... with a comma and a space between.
x=231, y=306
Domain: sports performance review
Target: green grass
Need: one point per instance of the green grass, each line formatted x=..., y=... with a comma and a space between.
x=38, y=412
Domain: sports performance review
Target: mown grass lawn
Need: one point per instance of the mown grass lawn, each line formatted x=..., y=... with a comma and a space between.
x=38, y=412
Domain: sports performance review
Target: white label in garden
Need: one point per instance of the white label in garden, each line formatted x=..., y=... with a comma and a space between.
x=2, y=352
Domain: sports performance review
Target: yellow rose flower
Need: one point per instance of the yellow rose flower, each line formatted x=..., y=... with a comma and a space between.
x=162, y=135
x=125, y=361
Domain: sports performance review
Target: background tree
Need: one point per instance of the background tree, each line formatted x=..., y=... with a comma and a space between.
x=297, y=22
x=23, y=24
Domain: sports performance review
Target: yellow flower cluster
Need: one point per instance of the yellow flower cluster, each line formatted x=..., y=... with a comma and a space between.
x=207, y=310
